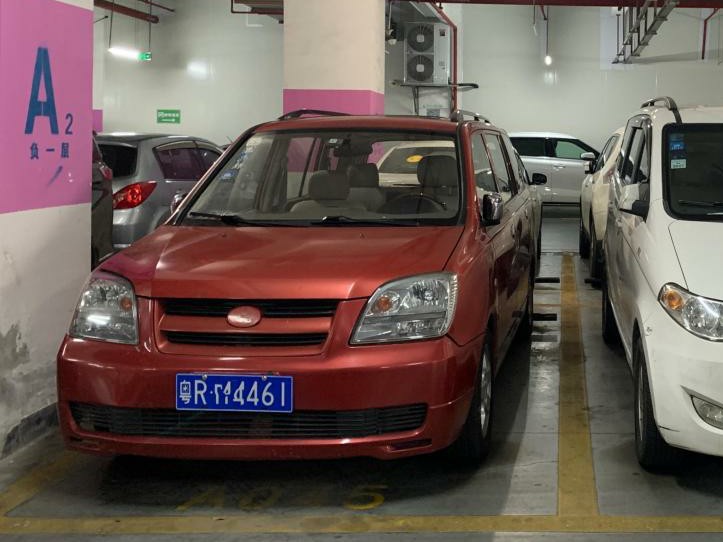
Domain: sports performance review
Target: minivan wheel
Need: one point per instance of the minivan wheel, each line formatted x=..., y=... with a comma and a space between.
x=610, y=333
x=654, y=454
x=473, y=443
x=596, y=256
x=584, y=241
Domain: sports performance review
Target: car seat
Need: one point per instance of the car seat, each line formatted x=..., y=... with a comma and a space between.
x=364, y=185
x=437, y=174
x=328, y=191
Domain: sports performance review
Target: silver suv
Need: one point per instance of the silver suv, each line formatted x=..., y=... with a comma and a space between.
x=148, y=171
x=560, y=157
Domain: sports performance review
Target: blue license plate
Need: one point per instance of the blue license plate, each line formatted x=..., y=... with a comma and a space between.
x=237, y=393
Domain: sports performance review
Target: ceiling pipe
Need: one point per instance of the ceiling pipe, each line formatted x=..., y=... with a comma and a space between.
x=153, y=4
x=446, y=19
x=696, y=4
x=705, y=32
x=123, y=10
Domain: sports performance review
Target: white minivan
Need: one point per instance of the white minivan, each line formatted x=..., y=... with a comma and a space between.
x=662, y=292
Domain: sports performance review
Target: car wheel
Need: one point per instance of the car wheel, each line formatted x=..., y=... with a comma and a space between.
x=596, y=254
x=610, y=333
x=473, y=443
x=653, y=452
x=584, y=242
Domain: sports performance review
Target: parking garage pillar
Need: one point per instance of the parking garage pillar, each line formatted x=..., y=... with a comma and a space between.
x=46, y=49
x=334, y=55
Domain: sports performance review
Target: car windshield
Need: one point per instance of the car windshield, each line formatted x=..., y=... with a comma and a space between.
x=332, y=178
x=694, y=171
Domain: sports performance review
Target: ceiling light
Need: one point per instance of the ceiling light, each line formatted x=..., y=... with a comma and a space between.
x=548, y=60
x=124, y=52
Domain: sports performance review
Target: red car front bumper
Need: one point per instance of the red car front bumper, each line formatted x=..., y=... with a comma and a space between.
x=437, y=373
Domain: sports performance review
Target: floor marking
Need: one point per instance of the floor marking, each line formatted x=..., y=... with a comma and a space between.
x=576, y=491
x=359, y=523
x=26, y=487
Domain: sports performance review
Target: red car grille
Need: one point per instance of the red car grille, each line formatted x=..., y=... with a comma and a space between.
x=248, y=425
x=200, y=326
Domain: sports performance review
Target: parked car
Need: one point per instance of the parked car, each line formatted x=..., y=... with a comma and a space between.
x=662, y=294
x=101, y=216
x=534, y=183
x=149, y=169
x=594, y=202
x=281, y=314
x=560, y=157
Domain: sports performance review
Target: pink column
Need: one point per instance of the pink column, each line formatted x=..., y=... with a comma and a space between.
x=334, y=55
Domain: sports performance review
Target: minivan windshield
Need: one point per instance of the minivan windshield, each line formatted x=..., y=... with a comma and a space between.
x=332, y=178
x=693, y=165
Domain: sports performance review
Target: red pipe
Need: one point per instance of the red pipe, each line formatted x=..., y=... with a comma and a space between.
x=453, y=26
x=123, y=10
x=705, y=31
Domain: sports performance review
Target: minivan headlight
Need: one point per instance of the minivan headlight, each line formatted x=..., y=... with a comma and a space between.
x=106, y=310
x=419, y=307
x=699, y=315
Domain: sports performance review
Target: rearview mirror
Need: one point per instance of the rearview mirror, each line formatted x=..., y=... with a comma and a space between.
x=491, y=209
x=637, y=208
x=590, y=160
x=588, y=156
x=539, y=178
x=176, y=201
x=630, y=202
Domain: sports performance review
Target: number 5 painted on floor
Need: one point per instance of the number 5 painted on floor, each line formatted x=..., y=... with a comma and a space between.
x=365, y=497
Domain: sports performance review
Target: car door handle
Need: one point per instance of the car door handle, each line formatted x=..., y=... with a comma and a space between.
x=558, y=166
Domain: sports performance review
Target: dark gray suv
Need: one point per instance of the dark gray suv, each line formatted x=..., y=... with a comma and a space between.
x=148, y=171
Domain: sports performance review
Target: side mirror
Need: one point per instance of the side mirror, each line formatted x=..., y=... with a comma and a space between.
x=637, y=208
x=491, y=209
x=176, y=202
x=590, y=160
x=539, y=178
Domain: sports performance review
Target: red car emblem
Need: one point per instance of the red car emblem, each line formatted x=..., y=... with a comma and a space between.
x=244, y=317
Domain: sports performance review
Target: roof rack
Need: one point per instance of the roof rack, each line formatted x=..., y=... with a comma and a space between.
x=668, y=102
x=459, y=114
x=319, y=112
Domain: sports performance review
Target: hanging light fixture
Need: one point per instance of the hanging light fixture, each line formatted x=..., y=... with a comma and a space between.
x=548, y=58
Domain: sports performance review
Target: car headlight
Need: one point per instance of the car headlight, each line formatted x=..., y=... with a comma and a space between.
x=420, y=307
x=699, y=315
x=106, y=310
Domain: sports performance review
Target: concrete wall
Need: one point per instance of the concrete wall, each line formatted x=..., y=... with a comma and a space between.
x=223, y=71
x=581, y=92
x=45, y=209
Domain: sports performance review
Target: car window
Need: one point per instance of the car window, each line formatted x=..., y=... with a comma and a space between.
x=484, y=179
x=605, y=153
x=208, y=157
x=522, y=170
x=568, y=149
x=179, y=163
x=120, y=158
x=633, y=155
x=300, y=178
x=500, y=164
x=529, y=146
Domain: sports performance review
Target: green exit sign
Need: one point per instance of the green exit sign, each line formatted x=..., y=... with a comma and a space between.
x=168, y=116
x=145, y=56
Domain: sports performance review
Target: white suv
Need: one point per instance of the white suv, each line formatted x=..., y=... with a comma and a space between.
x=662, y=294
x=559, y=157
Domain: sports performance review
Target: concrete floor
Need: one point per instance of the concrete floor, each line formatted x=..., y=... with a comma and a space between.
x=562, y=468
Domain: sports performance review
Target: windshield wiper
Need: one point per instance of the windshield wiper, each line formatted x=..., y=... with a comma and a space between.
x=231, y=219
x=341, y=220
x=700, y=203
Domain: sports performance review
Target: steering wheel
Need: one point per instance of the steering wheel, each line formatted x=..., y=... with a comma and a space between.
x=412, y=203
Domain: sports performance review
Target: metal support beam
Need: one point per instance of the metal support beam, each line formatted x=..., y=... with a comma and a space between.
x=638, y=29
x=123, y=10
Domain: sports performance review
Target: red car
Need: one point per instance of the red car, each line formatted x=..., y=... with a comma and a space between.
x=294, y=308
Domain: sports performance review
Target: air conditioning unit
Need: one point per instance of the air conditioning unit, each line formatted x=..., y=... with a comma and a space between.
x=426, y=53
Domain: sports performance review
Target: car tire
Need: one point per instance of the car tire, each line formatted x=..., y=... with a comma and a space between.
x=474, y=441
x=653, y=453
x=584, y=242
x=610, y=332
x=596, y=253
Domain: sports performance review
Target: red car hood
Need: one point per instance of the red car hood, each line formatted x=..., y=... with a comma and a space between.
x=280, y=263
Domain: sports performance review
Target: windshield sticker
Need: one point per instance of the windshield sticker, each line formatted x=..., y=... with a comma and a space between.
x=413, y=159
x=677, y=142
x=678, y=163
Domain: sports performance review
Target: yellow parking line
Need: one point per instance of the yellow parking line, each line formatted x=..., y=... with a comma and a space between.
x=359, y=523
x=32, y=483
x=576, y=492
